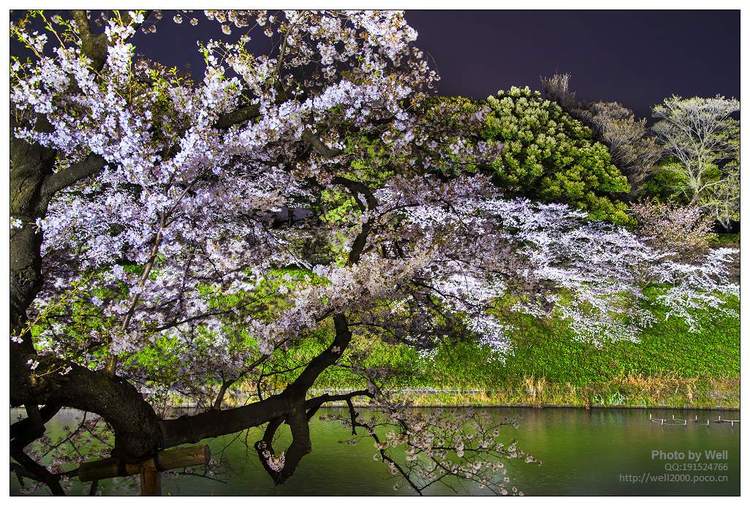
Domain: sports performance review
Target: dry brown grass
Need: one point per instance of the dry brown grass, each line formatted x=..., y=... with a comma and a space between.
x=625, y=391
x=667, y=391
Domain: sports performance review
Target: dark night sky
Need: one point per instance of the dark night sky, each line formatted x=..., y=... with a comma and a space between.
x=635, y=57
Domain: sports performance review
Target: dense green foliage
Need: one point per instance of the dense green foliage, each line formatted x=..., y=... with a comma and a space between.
x=666, y=184
x=550, y=155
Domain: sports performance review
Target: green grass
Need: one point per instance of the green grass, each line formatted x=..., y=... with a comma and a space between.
x=670, y=366
x=728, y=240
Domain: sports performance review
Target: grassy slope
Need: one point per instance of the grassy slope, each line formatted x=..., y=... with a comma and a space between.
x=670, y=366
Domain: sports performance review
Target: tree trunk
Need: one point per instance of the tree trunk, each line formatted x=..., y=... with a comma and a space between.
x=135, y=423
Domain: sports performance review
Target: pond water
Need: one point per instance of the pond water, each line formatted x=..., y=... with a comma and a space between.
x=594, y=452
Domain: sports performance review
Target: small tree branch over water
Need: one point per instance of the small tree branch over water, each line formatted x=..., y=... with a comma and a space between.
x=148, y=260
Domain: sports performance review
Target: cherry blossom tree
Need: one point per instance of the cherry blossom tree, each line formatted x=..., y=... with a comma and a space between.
x=146, y=211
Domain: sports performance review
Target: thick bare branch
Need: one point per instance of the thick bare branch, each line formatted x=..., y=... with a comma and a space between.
x=87, y=167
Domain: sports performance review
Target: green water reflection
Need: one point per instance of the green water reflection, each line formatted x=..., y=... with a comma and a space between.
x=596, y=452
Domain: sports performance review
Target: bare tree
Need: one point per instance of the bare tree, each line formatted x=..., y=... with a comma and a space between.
x=633, y=150
x=702, y=135
x=557, y=87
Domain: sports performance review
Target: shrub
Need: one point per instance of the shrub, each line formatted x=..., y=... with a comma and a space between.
x=548, y=154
